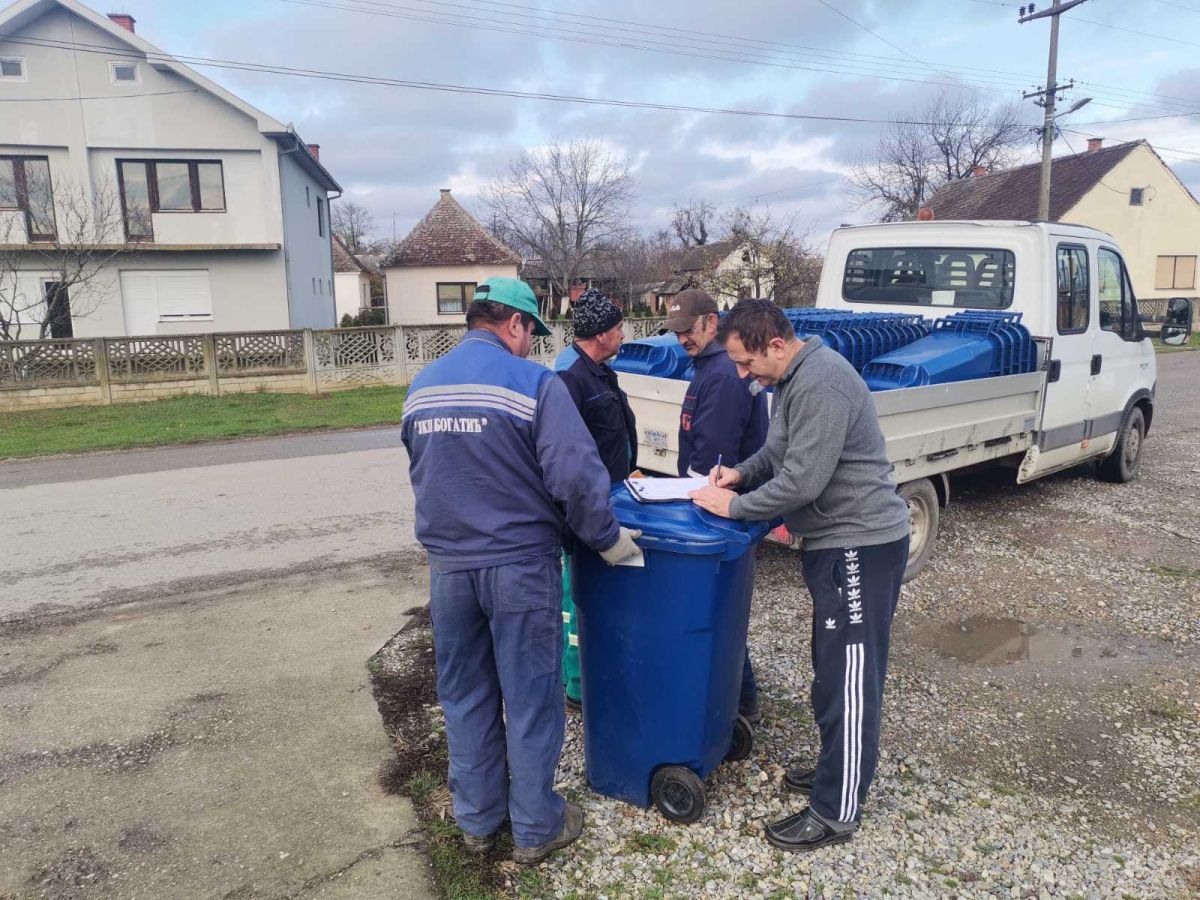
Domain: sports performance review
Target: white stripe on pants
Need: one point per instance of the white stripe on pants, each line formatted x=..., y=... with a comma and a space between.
x=852, y=721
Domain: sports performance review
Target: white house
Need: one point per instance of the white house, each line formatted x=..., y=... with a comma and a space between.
x=223, y=216
x=432, y=273
x=352, y=275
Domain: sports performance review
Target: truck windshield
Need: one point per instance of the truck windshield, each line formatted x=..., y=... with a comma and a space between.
x=930, y=276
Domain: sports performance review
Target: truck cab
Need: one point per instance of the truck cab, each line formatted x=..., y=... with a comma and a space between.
x=1072, y=288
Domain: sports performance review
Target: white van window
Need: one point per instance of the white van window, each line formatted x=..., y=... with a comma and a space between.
x=1118, y=308
x=1073, y=289
x=964, y=277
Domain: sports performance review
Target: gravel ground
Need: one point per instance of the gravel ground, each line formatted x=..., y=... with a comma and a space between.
x=1041, y=735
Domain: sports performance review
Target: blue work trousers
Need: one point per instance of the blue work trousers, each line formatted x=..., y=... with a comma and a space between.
x=497, y=634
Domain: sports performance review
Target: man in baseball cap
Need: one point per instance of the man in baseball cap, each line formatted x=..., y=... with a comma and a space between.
x=515, y=293
x=723, y=420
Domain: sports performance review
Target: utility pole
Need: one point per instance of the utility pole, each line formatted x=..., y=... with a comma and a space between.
x=1049, y=95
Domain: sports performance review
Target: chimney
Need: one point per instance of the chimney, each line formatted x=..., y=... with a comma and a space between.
x=124, y=20
x=445, y=192
x=1095, y=144
x=977, y=171
x=315, y=150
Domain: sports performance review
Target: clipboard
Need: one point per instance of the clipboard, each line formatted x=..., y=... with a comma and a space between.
x=663, y=490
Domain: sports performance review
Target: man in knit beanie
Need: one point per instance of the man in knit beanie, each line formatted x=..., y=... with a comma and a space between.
x=604, y=407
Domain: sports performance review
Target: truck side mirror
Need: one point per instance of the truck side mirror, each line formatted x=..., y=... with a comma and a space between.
x=1177, y=324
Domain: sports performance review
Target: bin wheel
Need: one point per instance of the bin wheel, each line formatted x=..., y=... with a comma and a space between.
x=678, y=793
x=743, y=740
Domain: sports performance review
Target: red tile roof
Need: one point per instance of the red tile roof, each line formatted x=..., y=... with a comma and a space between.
x=1013, y=194
x=450, y=236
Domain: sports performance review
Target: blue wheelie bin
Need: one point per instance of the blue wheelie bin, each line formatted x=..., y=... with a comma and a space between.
x=662, y=647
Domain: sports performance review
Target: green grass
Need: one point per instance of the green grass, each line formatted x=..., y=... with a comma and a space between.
x=651, y=843
x=182, y=420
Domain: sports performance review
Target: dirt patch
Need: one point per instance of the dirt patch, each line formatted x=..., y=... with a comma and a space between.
x=22, y=675
x=78, y=872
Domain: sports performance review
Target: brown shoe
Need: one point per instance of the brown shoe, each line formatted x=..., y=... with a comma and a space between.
x=572, y=827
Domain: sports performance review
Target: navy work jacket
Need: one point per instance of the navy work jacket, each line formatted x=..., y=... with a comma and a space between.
x=719, y=417
x=604, y=408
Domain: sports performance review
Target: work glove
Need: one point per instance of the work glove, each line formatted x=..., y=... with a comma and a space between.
x=623, y=548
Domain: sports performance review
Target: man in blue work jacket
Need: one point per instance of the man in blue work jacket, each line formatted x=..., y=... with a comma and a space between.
x=596, y=321
x=723, y=418
x=501, y=465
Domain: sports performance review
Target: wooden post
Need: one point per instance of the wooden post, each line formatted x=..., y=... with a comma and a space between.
x=100, y=351
x=210, y=364
x=310, y=362
x=401, y=353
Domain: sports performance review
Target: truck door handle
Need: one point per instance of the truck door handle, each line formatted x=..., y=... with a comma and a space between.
x=1097, y=361
x=1054, y=370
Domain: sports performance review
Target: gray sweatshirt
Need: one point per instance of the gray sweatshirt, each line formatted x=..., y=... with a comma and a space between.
x=824, y=467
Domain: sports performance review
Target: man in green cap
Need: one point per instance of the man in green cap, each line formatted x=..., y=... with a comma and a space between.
x=502, y=465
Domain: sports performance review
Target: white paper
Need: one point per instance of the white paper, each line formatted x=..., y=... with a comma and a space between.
x=637, y=561
x=651, y=489
x=942, y=298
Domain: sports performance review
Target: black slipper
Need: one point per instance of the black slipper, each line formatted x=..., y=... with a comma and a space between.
x=805, y=831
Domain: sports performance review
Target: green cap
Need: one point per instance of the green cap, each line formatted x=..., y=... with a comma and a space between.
x=515, y=293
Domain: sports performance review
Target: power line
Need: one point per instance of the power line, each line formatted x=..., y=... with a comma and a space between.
x=1178, y=5
x=894, y=68
x=111, y=97
x=1157, y=37
x=327, y=75
x=830, y=6
x=787, y=190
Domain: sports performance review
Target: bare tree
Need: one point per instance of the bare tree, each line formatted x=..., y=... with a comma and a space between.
x=353, y=224
x=691, y=223
x=636, y=266
x=46, y=284
x=769, y=259
x=562, y=205
x=962, y=132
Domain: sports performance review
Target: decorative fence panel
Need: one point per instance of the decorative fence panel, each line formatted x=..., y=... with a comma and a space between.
x=39, y=364
x=107, y=370
x=161, y=358
x=260, y=352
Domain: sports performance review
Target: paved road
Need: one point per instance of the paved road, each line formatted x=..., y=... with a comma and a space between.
x=88, y=529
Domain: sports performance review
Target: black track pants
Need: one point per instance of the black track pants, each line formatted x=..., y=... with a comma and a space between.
x=854, y=591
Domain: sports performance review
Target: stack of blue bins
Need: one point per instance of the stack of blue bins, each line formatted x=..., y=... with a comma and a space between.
x=859, y=337
x=967, y=345
x=661, y=356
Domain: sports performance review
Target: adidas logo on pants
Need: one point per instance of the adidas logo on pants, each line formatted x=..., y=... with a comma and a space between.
x=854, y=593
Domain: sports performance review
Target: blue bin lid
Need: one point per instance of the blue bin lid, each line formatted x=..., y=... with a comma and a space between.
x=684, y=528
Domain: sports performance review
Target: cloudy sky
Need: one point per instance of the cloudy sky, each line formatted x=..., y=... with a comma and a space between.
x=392, y=147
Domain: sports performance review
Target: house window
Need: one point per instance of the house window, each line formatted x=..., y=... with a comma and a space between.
x=1118, y=307
x=165, y=295
x=25, y=185
x=1074, y=287
x=123, y=72
x=167, y=185
x=12, y=68
x=1136, y=196
x=320, y=217
x=58, y=309
x=1175, y=273
x=454, y=296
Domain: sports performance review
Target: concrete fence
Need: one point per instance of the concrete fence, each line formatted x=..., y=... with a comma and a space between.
x=100, y=371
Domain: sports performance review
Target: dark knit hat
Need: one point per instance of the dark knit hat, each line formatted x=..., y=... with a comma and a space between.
x=594, y=314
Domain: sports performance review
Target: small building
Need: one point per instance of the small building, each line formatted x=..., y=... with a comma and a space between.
x=432, y=274
x=728, y=270
x=215, y=215
x=1126, y=190
x=354, y=278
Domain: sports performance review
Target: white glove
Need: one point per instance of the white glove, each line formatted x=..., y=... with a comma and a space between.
x=623, y=548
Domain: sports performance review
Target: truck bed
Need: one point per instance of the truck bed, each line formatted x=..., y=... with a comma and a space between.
x=928, y=430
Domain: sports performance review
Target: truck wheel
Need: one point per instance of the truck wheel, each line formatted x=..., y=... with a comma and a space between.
x=678, y=793
x=1123, y=463
x=923, y=516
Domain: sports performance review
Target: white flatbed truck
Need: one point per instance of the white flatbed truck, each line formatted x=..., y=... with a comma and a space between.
x=1091, y=398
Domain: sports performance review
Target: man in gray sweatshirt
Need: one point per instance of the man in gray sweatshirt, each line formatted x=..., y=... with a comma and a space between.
x=825, y=471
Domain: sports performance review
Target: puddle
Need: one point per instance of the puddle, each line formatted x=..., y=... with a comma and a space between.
x=987, y=641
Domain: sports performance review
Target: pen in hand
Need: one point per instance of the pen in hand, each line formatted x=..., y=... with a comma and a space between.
x=718, y=468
